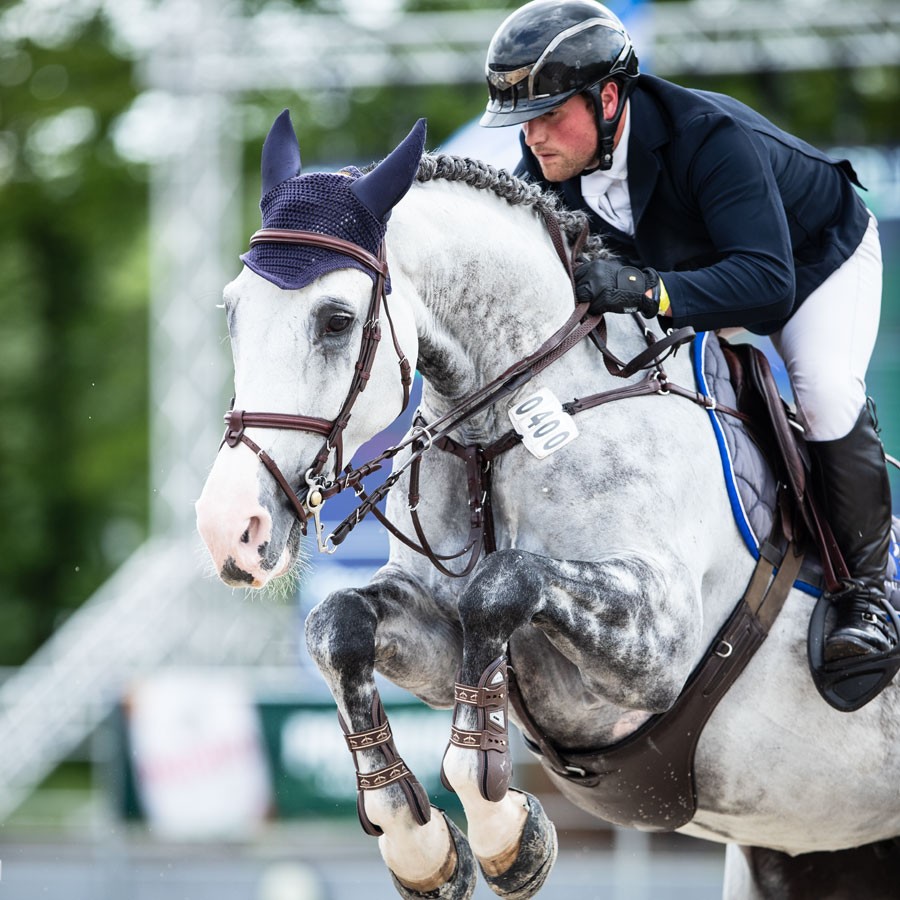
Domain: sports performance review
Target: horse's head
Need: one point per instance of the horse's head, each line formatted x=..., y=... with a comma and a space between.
x=303, y=322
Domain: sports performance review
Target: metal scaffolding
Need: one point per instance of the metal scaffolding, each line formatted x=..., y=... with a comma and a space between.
x=201, y=56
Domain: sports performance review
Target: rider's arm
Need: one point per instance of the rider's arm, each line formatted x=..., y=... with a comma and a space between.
x=734, y=191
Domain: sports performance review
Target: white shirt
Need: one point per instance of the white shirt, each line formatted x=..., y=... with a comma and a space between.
x=607, y=192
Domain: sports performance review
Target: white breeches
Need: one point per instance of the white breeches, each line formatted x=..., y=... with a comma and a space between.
x=827, y=344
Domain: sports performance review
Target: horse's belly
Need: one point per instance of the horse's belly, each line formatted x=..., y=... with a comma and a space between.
x=777, y=767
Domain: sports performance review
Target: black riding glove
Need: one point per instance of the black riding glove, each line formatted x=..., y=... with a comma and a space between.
x=611, y=287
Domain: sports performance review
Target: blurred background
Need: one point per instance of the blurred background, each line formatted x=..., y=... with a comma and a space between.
x=161, y=736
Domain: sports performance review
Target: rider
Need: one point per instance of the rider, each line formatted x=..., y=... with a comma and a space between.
x=744, y=226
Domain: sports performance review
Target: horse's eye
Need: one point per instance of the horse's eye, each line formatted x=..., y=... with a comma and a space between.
x=338, y=323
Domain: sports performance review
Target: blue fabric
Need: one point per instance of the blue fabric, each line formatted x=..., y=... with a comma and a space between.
x=712, y=380
x=894, y=553
x=748, y=479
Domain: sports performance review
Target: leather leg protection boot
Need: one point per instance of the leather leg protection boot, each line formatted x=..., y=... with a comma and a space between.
x=854, y=484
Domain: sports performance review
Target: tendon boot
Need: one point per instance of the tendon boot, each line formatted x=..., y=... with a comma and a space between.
x=854, y=485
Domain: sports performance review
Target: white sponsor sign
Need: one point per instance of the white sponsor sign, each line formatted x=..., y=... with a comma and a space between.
x=198, y=755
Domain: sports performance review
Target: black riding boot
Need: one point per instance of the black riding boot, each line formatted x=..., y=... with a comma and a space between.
x=853, y=481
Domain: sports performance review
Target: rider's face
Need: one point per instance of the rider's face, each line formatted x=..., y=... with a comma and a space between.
x=564, y=140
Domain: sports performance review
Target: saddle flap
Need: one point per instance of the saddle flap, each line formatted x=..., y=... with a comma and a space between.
x=785, y=448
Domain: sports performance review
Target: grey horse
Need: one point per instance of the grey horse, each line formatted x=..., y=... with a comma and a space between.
x=617, y=556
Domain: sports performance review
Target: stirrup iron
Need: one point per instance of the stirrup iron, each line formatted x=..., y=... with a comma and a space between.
x=849, y=684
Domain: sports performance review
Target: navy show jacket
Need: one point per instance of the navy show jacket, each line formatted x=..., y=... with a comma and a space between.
x=742, y=220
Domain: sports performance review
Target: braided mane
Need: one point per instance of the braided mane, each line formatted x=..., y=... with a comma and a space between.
x=516, y=192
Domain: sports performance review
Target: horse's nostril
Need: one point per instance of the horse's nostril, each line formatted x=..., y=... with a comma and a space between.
x=253, y=530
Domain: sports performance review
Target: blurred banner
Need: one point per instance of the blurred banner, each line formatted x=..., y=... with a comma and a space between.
x=312, y=769
x=201, y=758
x=195, y=751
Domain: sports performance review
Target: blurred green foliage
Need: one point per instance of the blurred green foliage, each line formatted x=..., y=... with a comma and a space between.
x=73, y=265
x=73, y=358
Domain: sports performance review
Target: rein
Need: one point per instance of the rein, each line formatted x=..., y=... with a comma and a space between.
x=478, y=459
x=424, y=436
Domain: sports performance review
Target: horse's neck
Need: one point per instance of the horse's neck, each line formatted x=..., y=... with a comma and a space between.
x=486, y=282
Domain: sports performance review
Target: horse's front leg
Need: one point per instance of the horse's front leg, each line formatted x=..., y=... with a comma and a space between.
x=619, y=621
x=392, y=625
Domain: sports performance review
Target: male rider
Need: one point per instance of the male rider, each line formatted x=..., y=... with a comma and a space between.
x=743, y=225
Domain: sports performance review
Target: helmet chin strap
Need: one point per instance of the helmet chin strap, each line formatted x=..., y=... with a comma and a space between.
x=606, y=128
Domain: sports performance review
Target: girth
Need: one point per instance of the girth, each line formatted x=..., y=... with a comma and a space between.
x=646, y=781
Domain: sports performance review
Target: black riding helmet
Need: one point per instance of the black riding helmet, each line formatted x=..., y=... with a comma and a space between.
x=550, y=50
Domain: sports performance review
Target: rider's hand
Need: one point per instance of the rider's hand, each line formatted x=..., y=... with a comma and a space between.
x=611, y=287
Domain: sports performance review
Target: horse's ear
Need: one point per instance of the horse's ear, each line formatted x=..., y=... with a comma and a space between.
x=280, y=153
x=385, y=186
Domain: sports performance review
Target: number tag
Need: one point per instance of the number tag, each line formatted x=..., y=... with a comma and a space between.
x=544, y=427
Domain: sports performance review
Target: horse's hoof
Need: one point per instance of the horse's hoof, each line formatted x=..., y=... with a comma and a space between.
x=534, y=861
x=461, y=883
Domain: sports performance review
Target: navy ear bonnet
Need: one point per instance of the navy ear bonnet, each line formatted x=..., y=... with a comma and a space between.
x=320, y=202
x=347, y=205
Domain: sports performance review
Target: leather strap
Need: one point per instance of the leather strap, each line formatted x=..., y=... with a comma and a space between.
x=477, y=740
x=326, y=241
x=834, y=567
x=235, y=436
x=373, y=781
x=656, y=352
x=647, y=780
x=394, y=772
x=365, y=740
x=238, y=420
x=490, y=738
x=483, y=696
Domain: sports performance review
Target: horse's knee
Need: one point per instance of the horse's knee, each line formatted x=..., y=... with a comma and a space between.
x=340, y=634
x=502, y=593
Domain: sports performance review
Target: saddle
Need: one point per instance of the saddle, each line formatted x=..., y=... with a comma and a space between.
x=846, y=684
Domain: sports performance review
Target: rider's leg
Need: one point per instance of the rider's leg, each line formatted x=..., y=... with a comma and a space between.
x=858, y=497
x=826, y=346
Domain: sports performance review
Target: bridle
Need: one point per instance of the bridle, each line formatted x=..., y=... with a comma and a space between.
x=237, y=421
x=424, y=436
